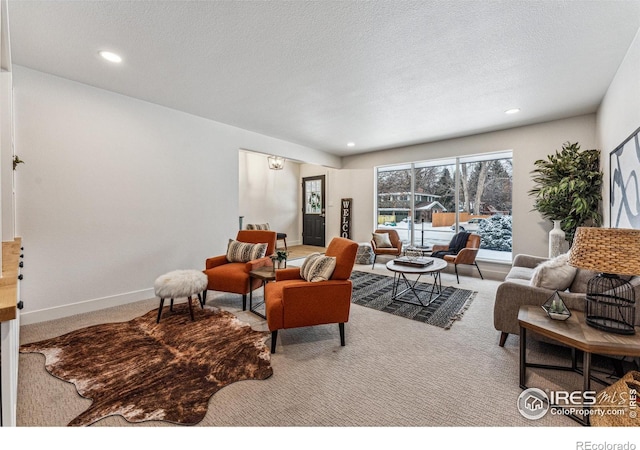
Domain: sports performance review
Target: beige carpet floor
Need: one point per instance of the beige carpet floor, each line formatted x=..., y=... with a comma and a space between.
x=393, y=372
x=301, y=251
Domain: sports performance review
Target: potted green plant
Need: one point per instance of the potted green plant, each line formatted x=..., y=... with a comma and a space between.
x=279, y=259
x=568, y=188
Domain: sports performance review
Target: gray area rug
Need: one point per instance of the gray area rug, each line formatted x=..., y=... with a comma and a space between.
x=374, y=291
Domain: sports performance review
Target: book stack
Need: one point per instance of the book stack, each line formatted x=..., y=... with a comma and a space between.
x=413, y=261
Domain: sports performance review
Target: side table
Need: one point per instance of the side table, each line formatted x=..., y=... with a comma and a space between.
x=577, y=335
x=265, y=274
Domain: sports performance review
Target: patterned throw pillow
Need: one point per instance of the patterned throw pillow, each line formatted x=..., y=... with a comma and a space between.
x=317, y=267
x=382, y=240
x=245, y=252
x=258, y=226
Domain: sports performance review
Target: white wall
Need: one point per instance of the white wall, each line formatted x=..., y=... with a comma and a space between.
x=530, y=230
x=116, y=191
x=271, y=196
x=356, y=184
x=619, y=112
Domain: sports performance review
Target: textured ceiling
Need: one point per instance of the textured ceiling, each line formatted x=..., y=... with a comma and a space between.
x=322, y=73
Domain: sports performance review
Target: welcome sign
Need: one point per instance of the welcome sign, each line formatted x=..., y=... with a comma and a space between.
x=345, y=220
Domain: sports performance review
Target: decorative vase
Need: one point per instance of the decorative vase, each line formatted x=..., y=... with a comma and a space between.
x=556, y=240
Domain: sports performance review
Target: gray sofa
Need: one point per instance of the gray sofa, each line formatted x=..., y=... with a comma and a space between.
x=516, y=291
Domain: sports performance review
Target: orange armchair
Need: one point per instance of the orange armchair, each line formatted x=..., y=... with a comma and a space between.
x=395, y=250
x=234, y=277
x=467, y=255
x=292, y=302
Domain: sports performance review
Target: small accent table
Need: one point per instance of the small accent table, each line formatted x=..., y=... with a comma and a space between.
x=400, y=274
x=265, y=274
x=576, y=334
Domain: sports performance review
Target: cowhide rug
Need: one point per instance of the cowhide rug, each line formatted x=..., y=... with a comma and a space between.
x=147, y=371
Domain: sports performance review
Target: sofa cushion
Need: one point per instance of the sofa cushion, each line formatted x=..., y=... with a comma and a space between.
x=520, y=273
x=244, y=252
x=555, y=274
x=317, y=267
x=579, y=283
x=382, y=240
x=519, y=281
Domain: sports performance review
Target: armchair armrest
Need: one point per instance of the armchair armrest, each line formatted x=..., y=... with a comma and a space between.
x=257, y=263
x=528, y=261
x=438, y=248
x=291, y=273
x=215, y=261
x=510, y=296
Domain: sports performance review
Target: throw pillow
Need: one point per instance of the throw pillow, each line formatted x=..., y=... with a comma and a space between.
x=555, y=274
x=244, y=251
x=317, y=267
x=382, y=240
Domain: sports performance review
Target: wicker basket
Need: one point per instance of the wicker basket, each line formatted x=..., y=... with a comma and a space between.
x=620, y=396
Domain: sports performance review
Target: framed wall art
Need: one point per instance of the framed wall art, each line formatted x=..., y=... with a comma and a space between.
x=624, y=173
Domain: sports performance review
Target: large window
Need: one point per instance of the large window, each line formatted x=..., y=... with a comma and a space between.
x=428, y=202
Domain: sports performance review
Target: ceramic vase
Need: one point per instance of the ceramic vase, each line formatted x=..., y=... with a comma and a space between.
x=556, y=240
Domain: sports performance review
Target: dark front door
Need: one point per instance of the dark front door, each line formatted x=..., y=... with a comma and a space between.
x=313, y=211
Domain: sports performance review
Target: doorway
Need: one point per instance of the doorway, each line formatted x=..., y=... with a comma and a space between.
x=313, y=210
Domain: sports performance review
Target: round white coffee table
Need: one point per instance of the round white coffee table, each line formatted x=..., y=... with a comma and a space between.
x=400, y=272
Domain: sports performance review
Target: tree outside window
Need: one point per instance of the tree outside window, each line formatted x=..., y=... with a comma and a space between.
x=434, y=210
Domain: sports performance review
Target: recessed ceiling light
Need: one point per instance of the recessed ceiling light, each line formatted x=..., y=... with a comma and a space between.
x=351, y=144
x=512, y=111
x=109, y=56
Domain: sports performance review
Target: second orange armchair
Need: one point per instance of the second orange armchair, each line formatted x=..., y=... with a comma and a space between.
x=293, y=302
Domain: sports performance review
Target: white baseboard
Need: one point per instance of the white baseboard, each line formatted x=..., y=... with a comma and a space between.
x=42, y=315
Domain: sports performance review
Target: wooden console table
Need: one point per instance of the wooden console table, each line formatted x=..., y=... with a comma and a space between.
x=576, y=334
x=9, y=329
x=9, y=280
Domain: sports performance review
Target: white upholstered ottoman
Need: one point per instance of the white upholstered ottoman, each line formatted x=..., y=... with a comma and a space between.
x=180, y=284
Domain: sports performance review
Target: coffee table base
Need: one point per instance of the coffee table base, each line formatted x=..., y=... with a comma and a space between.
x=436, y=287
